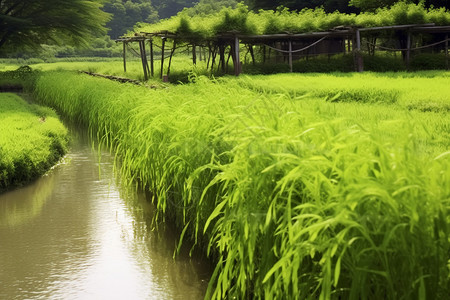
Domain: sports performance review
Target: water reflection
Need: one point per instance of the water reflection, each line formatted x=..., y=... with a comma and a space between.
x=75, y=234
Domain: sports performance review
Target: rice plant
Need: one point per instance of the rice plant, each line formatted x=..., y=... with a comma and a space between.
x=293, y=196
x=32, y=139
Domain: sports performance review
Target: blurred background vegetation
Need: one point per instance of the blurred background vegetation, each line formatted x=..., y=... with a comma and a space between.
x=125, y=14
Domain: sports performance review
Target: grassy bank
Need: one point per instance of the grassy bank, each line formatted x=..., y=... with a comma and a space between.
x=32, y=139
x=293, y=196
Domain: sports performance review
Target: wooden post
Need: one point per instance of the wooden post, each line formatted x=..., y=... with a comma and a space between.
x=213, y=59
x=408, y=49
x=152, y=67
x=290, y=56
x=237, y=60
x=209, y=56
x=222, y=57
x=145, y=57
x=125, y=56
x=446, y=51
x=357, y=52
x=162, y=56
x=194, y=54
x=231, y=53
x=144, y=67
x=200, y=50
x=170, y=59
x=252, y=54
x=264, y=54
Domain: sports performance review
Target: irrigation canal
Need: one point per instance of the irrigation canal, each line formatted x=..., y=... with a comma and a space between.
x=76, y=234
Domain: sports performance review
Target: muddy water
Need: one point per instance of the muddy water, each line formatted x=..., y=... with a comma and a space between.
x=76, y=234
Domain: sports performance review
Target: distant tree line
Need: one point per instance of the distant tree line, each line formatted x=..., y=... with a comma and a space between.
x=27, y=24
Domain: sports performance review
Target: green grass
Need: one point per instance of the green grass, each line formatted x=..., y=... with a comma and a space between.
x=426, y=90
x=293, y=196
x=32, y=139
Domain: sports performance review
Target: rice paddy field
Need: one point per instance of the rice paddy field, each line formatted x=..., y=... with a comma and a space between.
x=32, y=139
x=330, y=186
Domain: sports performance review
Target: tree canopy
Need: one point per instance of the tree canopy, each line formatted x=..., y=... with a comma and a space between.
x=125, y=14
x=29, y=23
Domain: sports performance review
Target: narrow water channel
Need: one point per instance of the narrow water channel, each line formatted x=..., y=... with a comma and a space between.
x=76, y=234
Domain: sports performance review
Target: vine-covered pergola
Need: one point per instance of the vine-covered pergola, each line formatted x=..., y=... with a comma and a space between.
x=342, y=39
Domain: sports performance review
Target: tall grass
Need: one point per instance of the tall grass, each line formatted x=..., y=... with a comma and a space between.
x=426, y=90
x=294, y=197
x=32, y=139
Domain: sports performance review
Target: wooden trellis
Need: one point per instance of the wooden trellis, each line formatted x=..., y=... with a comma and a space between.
x=342, y=39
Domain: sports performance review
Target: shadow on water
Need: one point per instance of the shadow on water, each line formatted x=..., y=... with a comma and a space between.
x=77, y=233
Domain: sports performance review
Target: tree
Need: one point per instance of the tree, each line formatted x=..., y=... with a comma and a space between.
x=168, y=8
x=125, y=14
x=29, y=23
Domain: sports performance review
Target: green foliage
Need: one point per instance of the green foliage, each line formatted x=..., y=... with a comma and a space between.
x=294, y=197
x=307, y=20
x=208, y=7
x=29, y=23
x=32, y=139
x=367, y=5
x=235, y=20
x=125, y=14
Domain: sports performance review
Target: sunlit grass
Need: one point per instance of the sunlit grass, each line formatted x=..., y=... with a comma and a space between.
x=294, y=196
x=426, y=90
x=31, y=140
